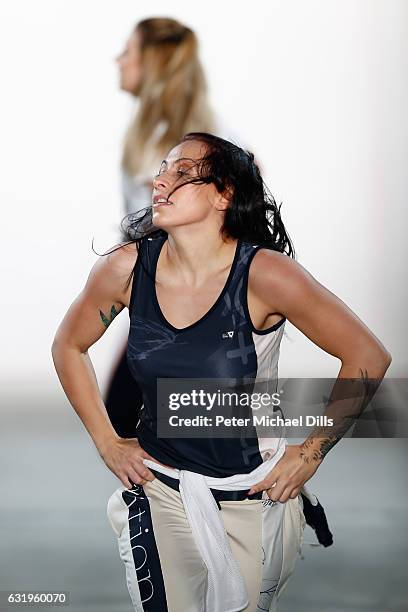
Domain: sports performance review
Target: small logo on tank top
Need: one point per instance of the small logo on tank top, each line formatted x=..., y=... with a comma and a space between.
x=228, y=334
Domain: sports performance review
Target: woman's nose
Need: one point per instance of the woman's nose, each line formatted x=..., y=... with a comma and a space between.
x=159, y=182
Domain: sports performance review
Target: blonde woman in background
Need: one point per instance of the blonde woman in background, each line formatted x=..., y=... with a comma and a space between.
x=160, y=67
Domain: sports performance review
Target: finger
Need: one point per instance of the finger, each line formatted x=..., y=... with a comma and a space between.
x=147, y=474
x=261, y=486
x=285, y=494
x=144, y=471
x=126, y=482
x=141, y=469
x=135, y=476
x=269, y=493
x=275, y=492
x=295, y=493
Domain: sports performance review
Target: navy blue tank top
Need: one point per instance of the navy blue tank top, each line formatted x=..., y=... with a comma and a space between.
x=221, y=344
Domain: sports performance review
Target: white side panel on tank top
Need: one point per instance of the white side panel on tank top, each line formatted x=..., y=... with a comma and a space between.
x=267, y=348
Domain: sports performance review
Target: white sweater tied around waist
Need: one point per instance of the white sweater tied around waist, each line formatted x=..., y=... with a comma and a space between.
x=226, y=590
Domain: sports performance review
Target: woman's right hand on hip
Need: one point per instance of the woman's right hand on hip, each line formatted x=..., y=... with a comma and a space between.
x=124, y=457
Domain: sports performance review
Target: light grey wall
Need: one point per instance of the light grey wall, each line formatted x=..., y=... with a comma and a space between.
x=318, y=89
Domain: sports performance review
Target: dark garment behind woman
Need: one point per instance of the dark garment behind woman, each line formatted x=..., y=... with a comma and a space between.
x=123, y=400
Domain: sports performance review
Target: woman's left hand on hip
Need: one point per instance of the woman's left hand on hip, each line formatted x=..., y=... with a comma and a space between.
x=288, y=476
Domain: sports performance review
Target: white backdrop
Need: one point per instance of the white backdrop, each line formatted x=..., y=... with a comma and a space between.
x=318, y=88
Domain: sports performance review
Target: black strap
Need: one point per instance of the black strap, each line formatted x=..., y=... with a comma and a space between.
x=218, y=495
x=316, y=517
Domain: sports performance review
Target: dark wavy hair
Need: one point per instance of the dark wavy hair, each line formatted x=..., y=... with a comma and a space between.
x=252, y=214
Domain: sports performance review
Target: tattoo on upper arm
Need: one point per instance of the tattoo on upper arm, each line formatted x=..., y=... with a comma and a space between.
x=108, y=320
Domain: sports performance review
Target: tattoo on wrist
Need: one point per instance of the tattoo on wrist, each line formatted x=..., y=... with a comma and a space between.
x=108, y=320
x=310, y=453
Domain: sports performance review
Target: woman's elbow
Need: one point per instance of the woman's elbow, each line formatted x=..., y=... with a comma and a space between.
x=55, y=349
x=377, y=362
x=58, y=345
x=384, y=358
x=387, y=360
x=372, y=361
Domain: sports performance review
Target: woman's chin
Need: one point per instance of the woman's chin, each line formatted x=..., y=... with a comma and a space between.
x=128, y=88
x=159, y=222
x=160, y=216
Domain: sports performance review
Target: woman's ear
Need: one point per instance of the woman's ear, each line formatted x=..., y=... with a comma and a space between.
x=224, y=198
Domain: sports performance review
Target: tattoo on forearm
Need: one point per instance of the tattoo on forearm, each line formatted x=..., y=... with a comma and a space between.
x=310, y=453
x=348, y=400
x=108, y=320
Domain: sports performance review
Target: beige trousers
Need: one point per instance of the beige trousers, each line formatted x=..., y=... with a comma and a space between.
x=164, y=569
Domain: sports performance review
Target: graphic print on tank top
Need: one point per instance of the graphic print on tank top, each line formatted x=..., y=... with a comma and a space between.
x=221, y=344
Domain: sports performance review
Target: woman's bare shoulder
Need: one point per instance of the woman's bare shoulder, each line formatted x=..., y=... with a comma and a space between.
x=273, y=272
x=270, y=263
x=111, y=272
x=120, y=258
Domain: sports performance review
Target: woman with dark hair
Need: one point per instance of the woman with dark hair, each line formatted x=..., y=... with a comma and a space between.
x=209, y=278
x=159, y=64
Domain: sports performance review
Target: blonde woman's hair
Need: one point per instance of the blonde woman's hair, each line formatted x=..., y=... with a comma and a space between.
x=172, y=92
